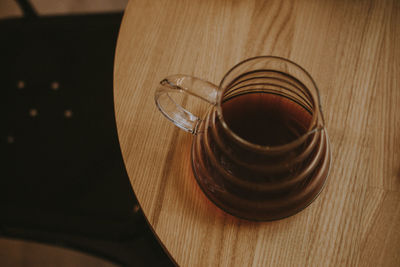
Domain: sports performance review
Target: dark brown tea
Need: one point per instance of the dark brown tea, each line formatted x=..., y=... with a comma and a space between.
x=266, y=119
x=259, y=184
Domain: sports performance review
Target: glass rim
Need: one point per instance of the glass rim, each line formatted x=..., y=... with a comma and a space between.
x=278, y=148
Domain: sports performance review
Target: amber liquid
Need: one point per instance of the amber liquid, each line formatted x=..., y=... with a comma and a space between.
x=266, y=119
x=260, y=185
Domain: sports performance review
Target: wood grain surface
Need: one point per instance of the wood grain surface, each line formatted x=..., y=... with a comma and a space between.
x=351, y=48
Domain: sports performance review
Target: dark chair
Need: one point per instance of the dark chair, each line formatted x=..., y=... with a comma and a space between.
x=62, y=178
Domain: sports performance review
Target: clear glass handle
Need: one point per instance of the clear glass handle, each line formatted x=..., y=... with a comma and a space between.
x=181, y=117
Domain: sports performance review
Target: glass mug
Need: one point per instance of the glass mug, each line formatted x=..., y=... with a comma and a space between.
x=261, y=152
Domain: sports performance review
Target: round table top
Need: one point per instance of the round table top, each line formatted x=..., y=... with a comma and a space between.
x=351, y=48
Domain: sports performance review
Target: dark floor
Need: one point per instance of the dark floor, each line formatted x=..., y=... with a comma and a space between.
x=62, y=179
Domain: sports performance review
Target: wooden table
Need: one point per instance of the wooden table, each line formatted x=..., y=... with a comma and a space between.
x=351, y=48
